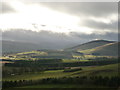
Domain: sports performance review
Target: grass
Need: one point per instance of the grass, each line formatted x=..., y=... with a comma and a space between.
x=104, y=50
x=92, y=56
x=62, y=86
x=32, y=52
x=25, y=55
x=106, y=70
x=73, y=60
x=85, y=56
x=88, y=51
x=38, y=75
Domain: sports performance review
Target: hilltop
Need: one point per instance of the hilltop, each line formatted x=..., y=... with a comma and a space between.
x=90, y=45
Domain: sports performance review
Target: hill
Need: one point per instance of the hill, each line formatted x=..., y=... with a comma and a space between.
x=89, y=45
x=97, y=47
x=40, y=54
x=9, y=47
x=110, y=49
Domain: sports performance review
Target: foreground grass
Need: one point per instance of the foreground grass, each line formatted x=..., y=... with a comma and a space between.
x=62, y=86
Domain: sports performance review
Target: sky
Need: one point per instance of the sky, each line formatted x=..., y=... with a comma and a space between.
x=64, y=22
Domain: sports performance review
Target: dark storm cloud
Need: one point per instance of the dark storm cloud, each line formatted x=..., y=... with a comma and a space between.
x=44, y=38
x=100, y=25
x=97, y=9
x=6, y=8
x=107, y=36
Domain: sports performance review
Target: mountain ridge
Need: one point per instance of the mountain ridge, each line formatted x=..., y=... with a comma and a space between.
x=90, y=45
x=9, y=47
x=110, y=49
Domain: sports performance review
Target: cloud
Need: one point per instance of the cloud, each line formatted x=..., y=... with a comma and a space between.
x=6, y=8
x=50, y=40
x=107, y=36
x=97, y=9
x=113, y=26
x=45, y=39
x=100, y=12
x=100, y=16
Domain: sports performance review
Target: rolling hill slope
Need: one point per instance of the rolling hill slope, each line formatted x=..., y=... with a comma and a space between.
x=89, y=45
x=98, y=47
x=9, y=47
x=110, y=49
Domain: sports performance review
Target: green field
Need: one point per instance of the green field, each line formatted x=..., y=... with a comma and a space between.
x=38, y=75
x=62, y=86
x=106, y=70
x=73, y=60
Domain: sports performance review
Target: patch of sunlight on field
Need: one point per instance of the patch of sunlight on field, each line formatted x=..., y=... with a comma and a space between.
x=84, y=56
x=73, y=60
x=28, y=52
x=25, y=55
x=41, y=75
x=53, y=71
x=87, y=51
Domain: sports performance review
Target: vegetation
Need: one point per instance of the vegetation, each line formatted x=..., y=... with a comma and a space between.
x=106, y=70
x=72, y=69
x=12, y=47
x=110, y=49
x=97, y=80
x=65, y=86
x=89, y=45
x=83, y=65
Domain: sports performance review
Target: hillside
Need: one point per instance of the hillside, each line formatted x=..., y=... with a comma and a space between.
x=9, y=47
x=98, y=47
x=43, y=54
x=110, y=49
x=89, y=45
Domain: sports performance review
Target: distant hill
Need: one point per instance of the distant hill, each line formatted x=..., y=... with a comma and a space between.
x=9, y=47
x=97, y=47
x=89, y=45
x=43, y=54
x=110, y=49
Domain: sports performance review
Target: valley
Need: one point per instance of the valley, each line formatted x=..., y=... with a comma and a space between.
x=99, y=59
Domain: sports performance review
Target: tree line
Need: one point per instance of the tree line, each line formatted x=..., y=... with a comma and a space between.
x=22, y=70
x=84, y=80
x=59, y=63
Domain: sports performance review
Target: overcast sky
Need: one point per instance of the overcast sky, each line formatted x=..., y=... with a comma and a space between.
x=81, y=21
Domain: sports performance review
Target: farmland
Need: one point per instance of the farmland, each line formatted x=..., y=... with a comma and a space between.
x=106, y=70
x=65, y=68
